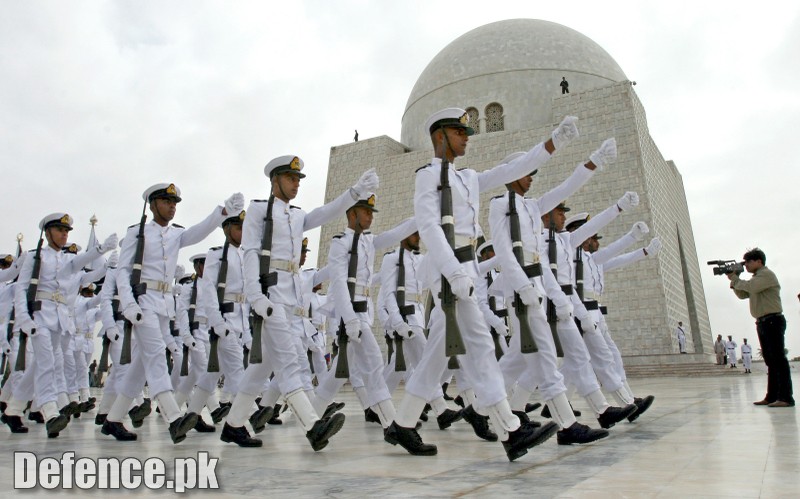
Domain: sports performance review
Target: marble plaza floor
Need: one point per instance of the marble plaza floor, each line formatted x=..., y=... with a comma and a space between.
x=702, y=438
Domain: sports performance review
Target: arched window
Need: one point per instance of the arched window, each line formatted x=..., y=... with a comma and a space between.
x=474, y=122
x=494, y=118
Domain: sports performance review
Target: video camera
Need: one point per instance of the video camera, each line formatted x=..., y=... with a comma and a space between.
x=724, y=267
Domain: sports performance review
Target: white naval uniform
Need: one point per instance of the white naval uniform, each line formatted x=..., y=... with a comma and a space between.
x=161, y=248
x=229, y=349
x=730, y=346
x=365, y=355
x=479, y=365
x=115, y=375
x=681, y=334
x=283, y=329
x=314, y=338
x=52, y=323
x=747, y=355
x=86, y=316
x=198, y=356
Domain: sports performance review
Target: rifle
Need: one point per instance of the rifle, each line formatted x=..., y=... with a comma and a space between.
x=454, y=344
x=266, y=278
x=224, y=308
x=405, y=310
x=552, y=254
x=103, y=365
x=527, y=343
x=9, y=334
x=498, y=350
x=137, y=287
x=342, y=367
x=34, y=305
x=193, y=325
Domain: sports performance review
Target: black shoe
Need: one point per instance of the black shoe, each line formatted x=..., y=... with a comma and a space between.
x=181, y=426
x=71, y=409
x=371, y=416
x=275, y=419
x=526, y=437
x=524, y=418
x=14, y=423
x=219, y=413
x=444, y=392
x=56, y=424
x=614, y=415
x=259, y=418
x=203, y=427
x=579, y=434
x=86, y=405
x=409, y=439
x=459, y=401
x=448, y=417
x=480, y=424
x=642, y=404
x=118, y=431
x=36, y=417
x=332, y=409
x=323, y=430
x=139, y=412
x=239, y=436
x=546, y=412
x=530, y=407
x=100, y=419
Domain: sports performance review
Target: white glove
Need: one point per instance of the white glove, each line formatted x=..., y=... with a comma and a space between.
x=628, y=201
x=249, y=344
x=4, y=344
x=353, y=330
x=113, y=259
x=133, y=313
x=234, y=204
x=175, y=350
x=262, y=306
x=109, y=244
x=403, y=330
x=564, y=311
x=25, y=324
x=313, y=345
x=654, y=247
x=499, y=326
x=367, y=183
x=605, y=154
x=530, y=296
x=179, y=271
x=461, y=285
x=588, y=325
x=639, y=229
x=113, y=334
x=416, y=331
x=188, y=340
x=565, y=132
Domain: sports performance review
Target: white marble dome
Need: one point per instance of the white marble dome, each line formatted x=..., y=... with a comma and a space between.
x=517, y=63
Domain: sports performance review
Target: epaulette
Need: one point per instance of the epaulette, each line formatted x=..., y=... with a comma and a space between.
x=339, y=235
x=259, y=201
x=178, y=226
x=32, y=250
x=295, y=207
x=134, y=225
x=421, y=167
x=459, y=169
x=215, y=248
x=499, y=196
x=366, y=232
x=389, y=252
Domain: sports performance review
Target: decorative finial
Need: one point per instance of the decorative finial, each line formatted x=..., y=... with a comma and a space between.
x=93, y=220
x=20, y=237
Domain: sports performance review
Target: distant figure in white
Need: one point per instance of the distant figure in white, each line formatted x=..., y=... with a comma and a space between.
x=680, y=332
x=747, y=356
x=730, y=346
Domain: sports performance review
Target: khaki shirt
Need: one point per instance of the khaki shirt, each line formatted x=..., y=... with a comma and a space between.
x=763, y=290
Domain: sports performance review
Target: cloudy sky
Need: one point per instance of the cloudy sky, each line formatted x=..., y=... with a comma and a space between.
x=99, y=100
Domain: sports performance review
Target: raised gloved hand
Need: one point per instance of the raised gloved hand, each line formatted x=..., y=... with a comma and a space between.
x=639, y=229
x=654, y=247
x=113, y=334
x=113, y=260
x=188, y=340
x=262, y=306
x=462, y=286
x=499, y=325
x=353, y=330
x=234, y=204
x=605, y=154
x=133, y=313
x=109, y=244
x=564, y=311
x=566, y=131
x=530, y=296
x=367, y=183
x=628, y=201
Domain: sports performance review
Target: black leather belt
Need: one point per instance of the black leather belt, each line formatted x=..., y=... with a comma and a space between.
x=359, y=307
x=603, y=310
x=765, y=318
x=533, y=270
x=567, y=289
x=465, y=254
x=591, y=305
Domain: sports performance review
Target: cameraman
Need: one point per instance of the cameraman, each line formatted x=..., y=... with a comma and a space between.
x=763, y=290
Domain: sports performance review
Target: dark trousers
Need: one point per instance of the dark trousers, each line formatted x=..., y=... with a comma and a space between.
x=779, y=378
